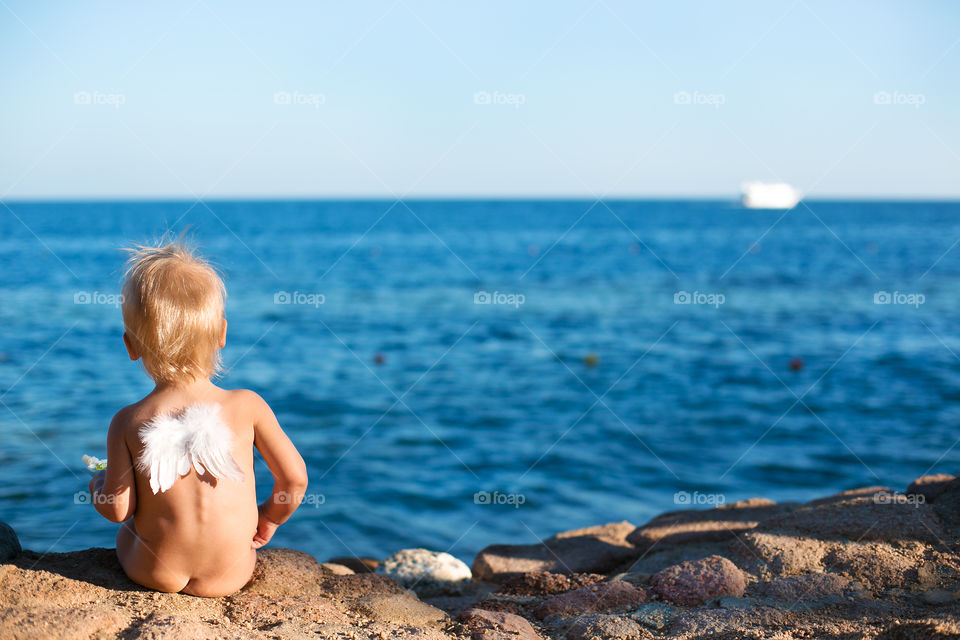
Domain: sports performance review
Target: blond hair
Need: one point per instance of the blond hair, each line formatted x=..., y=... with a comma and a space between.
x=173, y=311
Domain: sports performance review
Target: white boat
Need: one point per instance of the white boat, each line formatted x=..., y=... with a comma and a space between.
x=768, y=195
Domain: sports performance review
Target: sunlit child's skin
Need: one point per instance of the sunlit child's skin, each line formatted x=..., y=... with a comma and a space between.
x=201, y=535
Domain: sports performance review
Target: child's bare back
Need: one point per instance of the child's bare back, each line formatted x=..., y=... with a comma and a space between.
x=180, y=475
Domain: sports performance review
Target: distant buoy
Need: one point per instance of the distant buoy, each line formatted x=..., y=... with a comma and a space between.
x=379, y=358
x=796, y=363
x=591, y=359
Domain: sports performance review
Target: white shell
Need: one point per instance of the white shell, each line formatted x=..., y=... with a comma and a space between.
x=194, y=437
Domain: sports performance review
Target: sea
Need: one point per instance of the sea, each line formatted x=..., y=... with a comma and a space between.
x=459, y=373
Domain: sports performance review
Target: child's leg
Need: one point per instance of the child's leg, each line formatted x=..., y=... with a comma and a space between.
x=142, y=565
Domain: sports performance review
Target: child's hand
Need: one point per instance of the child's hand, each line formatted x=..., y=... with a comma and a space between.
x=96, y=482
x=265, y=530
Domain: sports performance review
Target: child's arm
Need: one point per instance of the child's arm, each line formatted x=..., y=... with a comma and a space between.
x=114, y=492
x=286, y=465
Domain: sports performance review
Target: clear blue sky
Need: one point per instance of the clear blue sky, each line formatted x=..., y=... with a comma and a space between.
x=583, y=98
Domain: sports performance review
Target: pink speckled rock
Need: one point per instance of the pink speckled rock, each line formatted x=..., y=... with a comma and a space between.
x=693, y=583
x=595, y=598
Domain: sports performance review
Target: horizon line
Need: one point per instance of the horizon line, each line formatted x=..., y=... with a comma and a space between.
x=460, y=197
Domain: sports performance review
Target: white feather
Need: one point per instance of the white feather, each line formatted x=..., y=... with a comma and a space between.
x=194, y=437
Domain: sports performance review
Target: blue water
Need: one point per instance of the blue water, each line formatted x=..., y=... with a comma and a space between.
x=693, y=398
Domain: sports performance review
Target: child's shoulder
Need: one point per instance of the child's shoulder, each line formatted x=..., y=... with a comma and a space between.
x=245, y=398
x=130, y=417
x=245, y=402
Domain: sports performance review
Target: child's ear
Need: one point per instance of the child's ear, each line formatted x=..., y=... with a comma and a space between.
x=131, y=350
x=223, y=336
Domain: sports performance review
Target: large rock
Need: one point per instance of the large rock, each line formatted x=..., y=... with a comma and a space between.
x=867, y=563
x=9, y=544
x=85, y=594
x=596, y=598
x=861, y=515
x=592, y=550
x=693, y=583
x=929, y=486
x=496, y=625
x=706, y=525
x=411, y=567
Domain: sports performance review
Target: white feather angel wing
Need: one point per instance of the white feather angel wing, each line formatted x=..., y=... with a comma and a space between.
x=195, y=437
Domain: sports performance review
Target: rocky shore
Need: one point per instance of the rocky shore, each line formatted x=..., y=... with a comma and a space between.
x=868, y=563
